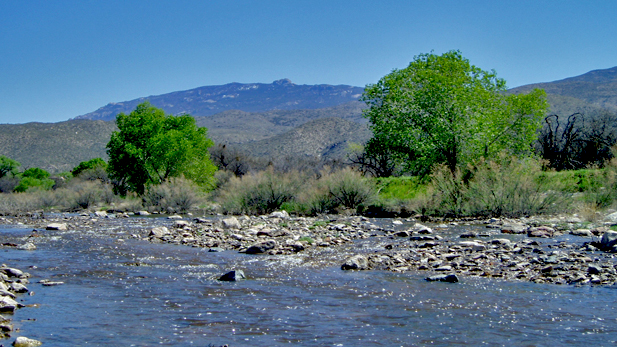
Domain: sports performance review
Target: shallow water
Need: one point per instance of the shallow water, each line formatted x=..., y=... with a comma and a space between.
x=133, y=293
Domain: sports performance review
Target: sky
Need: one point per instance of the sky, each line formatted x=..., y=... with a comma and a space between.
x=61, y=59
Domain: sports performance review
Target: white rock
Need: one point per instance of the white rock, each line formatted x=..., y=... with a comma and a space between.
x=56, y=226
x=26, y=342
x=279, y=214
x=231, y=223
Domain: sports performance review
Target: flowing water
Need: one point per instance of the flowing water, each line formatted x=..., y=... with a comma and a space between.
x=126, y=292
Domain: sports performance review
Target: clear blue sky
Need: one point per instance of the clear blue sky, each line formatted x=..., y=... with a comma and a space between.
x=60, y=59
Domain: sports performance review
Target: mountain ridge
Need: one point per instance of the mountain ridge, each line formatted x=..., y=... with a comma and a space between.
x=251, y=97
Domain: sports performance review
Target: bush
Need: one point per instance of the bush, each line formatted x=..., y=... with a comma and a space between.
x=175, y=195
x=510, y=187
x=344, y=188
x=31, y=183
x=260, y=192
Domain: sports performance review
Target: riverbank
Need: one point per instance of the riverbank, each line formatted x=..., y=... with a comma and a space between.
x=555, y=250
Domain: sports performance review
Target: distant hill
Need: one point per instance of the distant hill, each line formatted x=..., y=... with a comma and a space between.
x=593, y=90
x=55, y=147
x=240, y=127
x=327, y=138
x=254, y=97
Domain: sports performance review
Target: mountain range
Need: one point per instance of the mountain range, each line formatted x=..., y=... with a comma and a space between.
x=277, y=119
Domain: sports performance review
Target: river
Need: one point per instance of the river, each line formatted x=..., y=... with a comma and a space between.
x=127, y=292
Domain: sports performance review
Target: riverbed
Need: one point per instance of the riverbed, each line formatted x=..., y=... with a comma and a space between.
x=121, y=290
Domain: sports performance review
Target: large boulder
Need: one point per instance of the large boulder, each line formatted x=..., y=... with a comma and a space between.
x=357, y=262
x=233, y=275
x=608, y=242
x=261, y=247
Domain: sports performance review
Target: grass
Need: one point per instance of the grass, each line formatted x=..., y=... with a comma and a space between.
x=400, y=188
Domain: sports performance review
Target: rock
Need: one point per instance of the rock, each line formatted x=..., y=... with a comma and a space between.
x=28, y=246
x=18, y=288
x=397, y=222
x=402, y=234
x=159, y=232
x=100, y=214
x=231, y=223
x=542, y=231
x=357, y=262
x=216, y=249
x=611, y=217
x=7, y=304
x=175, y=216
x=475, y=246
x=608, y=240
x=11, y=272
x=451, y=278
x=594, y=270
x=26, y=342
x=279, y=214
x=468, y=235
x=261, y=247
x=513, y=228
x=501, y=242
x=233, y=275
x=142, y=213
x=423, y=229
x=56, y=226
x=582, y=232
x=181, y=224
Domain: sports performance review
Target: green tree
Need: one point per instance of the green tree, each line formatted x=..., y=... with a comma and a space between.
x=34, y=178
x=151, y=147
x=92, y=164
x=35, y=172
x=443, y=110
x=8, y=166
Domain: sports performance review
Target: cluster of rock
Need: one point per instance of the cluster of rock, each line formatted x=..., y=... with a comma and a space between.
x=12, y=283
x=275, y=234
x=419, y=249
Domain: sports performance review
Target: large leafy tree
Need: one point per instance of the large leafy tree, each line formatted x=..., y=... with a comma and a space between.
x=152, y=147
x=443, y=110
x=8, y=166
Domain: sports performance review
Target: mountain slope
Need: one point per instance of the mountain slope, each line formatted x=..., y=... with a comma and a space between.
x=238, y=127
x=592, y=90
x=254, y=97
x=324, y=138
x=55, y=146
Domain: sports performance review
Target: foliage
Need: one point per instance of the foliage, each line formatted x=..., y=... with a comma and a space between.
x=260, y=192
x=31, y=183
x=8, y=166
x=344, y=188
x=34, y=179
x=151, y=147
x=90, y=165
x=401, y=188
x=175, y=195
x=36, y=173
x=505, y=187
x=443, y=110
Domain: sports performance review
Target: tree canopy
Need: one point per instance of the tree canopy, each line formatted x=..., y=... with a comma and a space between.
x=150, y=147
x=8, y=166
x=443, y=110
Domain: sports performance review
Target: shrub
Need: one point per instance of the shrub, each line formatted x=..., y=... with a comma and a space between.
x=29, y=183
x=260, y=192
x=508, y=187
x=175, y=195
x=344, y=188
